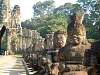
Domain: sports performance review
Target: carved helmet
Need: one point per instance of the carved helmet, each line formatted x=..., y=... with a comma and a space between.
x=76, y=26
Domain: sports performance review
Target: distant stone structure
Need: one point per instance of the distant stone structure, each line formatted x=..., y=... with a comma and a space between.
x=15, y=30
x=73, y=52
x=12, y=20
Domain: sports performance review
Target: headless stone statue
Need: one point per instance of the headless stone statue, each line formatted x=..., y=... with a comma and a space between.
x=73, y=53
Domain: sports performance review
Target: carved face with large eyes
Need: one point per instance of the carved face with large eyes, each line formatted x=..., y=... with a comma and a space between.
x=77, y=35
x=76, y=39
x=59, y=40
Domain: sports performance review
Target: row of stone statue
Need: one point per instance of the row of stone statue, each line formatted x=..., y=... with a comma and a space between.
x=73, y=52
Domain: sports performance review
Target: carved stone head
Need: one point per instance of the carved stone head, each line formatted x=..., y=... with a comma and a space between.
x=59, y=39
x=76, y=31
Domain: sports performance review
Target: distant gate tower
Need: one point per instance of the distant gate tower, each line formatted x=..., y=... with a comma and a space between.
x=16, y=17
x=4, y=12
x=11, y=18
x=16, y=23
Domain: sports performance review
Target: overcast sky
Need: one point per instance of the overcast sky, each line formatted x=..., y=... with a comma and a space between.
x=26, y=6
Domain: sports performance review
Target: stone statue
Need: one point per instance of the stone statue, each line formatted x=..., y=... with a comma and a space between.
x=73, y=53
x=59, y=39
x=53, y=42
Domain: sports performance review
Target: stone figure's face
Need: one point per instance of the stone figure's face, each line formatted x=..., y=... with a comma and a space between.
x=60, y=41
x=76, y=39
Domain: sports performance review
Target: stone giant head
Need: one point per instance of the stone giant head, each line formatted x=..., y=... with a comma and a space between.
x=59, y=39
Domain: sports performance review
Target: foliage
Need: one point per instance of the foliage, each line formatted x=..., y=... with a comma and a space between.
x=92, y=32
x=43, y=8
x=27, y=24
x=47, y=18
x=51, y=23
x=92, y=19
x=44, y=20
x=68, y=8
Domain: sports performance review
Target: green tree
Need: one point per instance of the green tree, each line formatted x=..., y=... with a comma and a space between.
x=50, y=23
x=45, y=21
x=64, y=9
x=43, y=8
x=68, y=9
x=92, y=18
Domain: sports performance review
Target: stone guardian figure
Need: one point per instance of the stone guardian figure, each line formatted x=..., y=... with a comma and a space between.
x=73, y=52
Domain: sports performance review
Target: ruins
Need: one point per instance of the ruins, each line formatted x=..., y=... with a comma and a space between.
x=14, y=30
x=70, y=48
x=17, y=38
x=12, y=20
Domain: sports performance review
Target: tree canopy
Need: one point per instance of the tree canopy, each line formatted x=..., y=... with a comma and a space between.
x=48, y=18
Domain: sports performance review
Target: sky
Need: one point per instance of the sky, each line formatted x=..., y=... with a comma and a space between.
x=26, y=6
